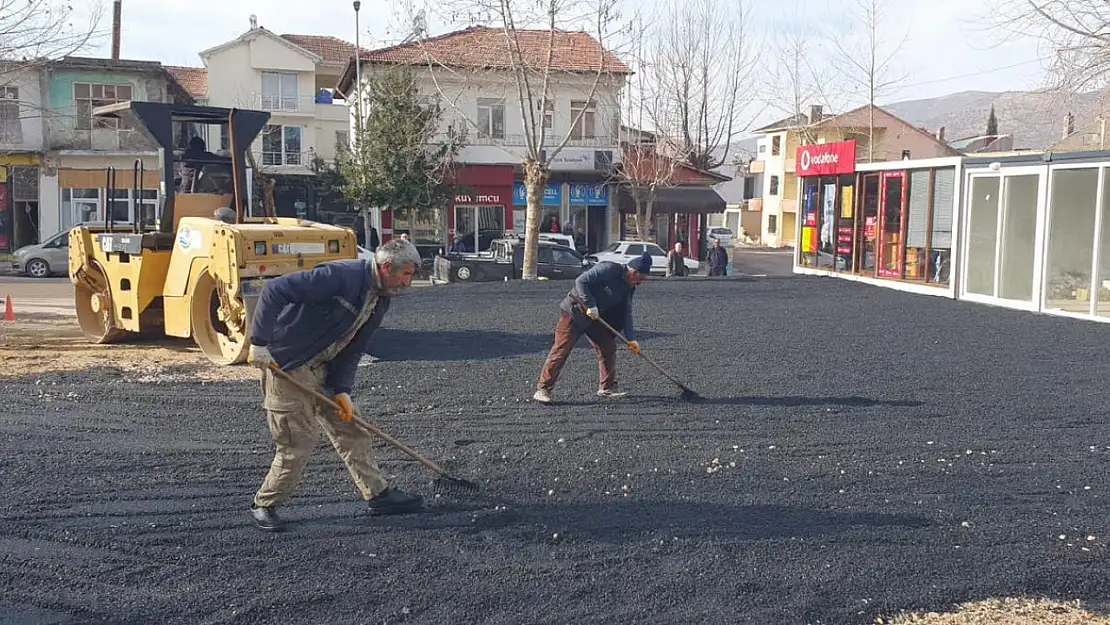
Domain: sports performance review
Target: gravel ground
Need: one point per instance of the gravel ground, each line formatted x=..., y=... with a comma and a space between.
x=860, y=453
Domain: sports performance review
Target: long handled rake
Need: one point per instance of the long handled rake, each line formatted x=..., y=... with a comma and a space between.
x=688, y=394
x=443, y=482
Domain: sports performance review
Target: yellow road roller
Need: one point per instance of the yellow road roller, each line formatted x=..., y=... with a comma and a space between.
x=195, y=266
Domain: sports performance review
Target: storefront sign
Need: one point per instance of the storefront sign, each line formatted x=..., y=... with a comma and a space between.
x=552, y=194
x=487, y=199
x=586, y=194
x=827, y=159
x=572, y=160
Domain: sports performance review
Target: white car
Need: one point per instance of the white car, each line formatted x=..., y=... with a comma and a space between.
x=724, y=235
x=624, y=251
x=561, y=239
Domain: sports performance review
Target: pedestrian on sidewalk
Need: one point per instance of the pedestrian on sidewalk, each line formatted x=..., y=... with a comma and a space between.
x=717, y=259
x=676, y=262
x=315, y=325
x=606, y=290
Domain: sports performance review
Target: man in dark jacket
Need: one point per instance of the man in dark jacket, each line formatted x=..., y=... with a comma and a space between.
x=676, y=262
x=315, y=325
x=718, y=259
x=606, y=290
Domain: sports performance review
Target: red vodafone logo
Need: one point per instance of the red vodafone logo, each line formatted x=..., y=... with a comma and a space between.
x=827, y=159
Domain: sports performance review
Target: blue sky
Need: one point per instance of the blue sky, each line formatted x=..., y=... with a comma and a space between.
x=948, y=49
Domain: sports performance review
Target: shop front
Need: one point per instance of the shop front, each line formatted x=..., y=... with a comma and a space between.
x=588, y=218
x=1038, y=234
x=891, y=224
x=551, y=210
x=483, y=206
x=678, y=215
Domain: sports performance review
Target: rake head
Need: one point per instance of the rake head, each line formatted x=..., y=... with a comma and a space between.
x=450, y=485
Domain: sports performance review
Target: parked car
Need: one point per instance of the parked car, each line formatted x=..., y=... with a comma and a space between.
x=724, y=235
x=42, y=260
x=561, y=239
x=506, y=261
x=624, y=251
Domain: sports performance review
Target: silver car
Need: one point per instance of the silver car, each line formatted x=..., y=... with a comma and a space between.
x=44, y=259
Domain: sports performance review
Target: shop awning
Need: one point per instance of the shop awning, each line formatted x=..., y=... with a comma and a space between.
x=677, y=201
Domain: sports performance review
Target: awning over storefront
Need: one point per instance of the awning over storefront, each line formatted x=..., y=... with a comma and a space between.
x=678, y=200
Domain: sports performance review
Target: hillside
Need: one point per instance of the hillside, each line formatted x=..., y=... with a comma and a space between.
x=1036, y=120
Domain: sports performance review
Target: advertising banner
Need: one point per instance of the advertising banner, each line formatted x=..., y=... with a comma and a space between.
x=827, y=159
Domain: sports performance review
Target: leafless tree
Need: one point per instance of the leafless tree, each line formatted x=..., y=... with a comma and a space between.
x=797, y=82
x=699, y=73
x=644, y=170
x=35, y=31
x=520, y=54
x=868, y=67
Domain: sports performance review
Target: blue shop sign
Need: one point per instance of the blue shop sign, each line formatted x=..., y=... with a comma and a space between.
x=552, y=195
x=589, y=194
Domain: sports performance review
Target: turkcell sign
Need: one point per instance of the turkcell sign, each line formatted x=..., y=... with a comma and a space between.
x=827, y=159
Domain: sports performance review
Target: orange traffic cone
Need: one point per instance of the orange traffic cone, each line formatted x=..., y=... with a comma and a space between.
x=9, y=313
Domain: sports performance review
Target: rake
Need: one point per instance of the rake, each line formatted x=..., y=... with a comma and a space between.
x=688, y=394
x=444, y=482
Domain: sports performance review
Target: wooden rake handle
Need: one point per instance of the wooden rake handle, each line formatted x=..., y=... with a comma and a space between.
x=369, y=427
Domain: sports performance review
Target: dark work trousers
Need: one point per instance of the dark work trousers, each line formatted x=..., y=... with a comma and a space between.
x=566, y=337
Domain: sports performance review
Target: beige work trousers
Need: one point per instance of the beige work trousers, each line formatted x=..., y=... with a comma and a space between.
x=293, y=417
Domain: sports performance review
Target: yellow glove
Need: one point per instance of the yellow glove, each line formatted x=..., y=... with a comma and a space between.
x=593, y=313
x=346, y=410
x=635, y=347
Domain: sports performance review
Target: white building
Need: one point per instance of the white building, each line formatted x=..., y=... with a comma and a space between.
x=292, y=77
x=466, y=73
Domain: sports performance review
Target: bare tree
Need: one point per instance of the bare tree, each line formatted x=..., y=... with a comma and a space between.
x=797, y=82
x=644, y=170
x=868, y=66
x=699, y=73
x=35, y=31
x=526, y=51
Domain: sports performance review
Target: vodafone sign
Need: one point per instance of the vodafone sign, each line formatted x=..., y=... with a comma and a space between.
x=827, y=159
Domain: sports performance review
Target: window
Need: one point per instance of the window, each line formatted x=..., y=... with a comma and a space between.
x=279, y=91
x=80, y=206
x=87, y=96
x=634, y=250
x=772, y=224
x=11, y=128
x=281, y=145
x=545, y=256
x=655, y=250
x=566, y=257
x=124, y=212
x=491, y=118
x=548, y=115
x=342, y=140
x=586, y=127
x=776, y=145
x=774, y=186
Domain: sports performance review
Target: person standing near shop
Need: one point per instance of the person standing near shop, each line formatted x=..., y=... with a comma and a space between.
x=718, y=259
x=676, y=262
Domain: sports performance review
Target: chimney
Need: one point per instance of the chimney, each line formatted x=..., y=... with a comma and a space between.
x=117, y=11
x=940, y=134
x=1069, y=124
x=814, y=113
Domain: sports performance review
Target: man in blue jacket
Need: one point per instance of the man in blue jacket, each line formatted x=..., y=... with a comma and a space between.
x=606, y=290
x=315, y=325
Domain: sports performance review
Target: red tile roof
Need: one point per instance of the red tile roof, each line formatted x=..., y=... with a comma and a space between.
x=331, y=49
x=485, y=47
x=194, y=80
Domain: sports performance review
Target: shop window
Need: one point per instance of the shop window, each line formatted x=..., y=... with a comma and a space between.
x=940, y=240
x=426, y=229
x=868, y=224
x=773, y=187
x=1019, y=230
x=917, y=224
x=891, y=236
x=1103, y=278
x=1071, y=224
x=122, y=210
x=491, y=118
x=810, y=217
x=80, y=206
x=982, y=234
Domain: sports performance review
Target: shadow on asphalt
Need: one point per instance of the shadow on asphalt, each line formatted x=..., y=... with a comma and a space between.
x=636, y=521
x=791, y=401
x=451, y=345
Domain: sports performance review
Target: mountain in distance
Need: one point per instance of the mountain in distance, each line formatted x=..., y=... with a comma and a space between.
x=1036, y=120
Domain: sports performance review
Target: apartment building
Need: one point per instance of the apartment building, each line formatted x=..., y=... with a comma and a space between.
x=467, y=73
x=878, y=136
x=293, y=77
x=21, y=146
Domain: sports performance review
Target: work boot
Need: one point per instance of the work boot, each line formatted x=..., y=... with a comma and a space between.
x=392, y=501
x=266, y=519
x=543, y=396
x=611, y=393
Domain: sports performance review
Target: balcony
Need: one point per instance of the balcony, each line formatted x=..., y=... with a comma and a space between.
x=337, y=112
x=294, y=105
x=284, y=162
x=790, y=206
x=754, y=205
x=791, y=165
x=472, y=137
x=757, y=167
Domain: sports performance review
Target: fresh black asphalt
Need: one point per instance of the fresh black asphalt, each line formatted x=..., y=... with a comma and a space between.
x=859, y=452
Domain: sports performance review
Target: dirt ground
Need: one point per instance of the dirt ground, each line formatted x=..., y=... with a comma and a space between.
x=1005, y=612
x=35, y=344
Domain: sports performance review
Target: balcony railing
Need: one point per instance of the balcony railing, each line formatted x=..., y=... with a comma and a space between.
x=472, y=137
x=284, y=159
x=304, y=105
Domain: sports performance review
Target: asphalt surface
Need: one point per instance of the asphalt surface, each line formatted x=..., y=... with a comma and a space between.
x=863, y=452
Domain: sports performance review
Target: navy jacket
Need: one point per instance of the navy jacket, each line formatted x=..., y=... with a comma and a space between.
x=301, y=314
x=604, y=285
